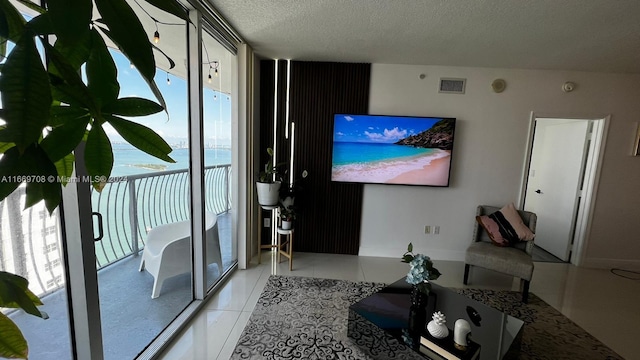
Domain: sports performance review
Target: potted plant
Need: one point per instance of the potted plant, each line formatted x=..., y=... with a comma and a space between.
x=287, y=215
x=288, y=192
x=269, y=182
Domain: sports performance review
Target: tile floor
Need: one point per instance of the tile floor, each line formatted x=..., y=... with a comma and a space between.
x=602, y=303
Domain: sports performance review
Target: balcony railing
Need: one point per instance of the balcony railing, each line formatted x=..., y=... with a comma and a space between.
x=138, y=202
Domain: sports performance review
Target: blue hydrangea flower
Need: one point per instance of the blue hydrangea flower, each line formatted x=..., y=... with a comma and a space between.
x=421, y=270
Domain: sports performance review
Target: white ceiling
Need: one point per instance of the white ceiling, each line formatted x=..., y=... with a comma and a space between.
x=584, y=35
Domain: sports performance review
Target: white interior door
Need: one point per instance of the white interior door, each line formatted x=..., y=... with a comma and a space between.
x=555, y=176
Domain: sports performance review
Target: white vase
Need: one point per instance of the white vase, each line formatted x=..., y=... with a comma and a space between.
x=268, y=193
x=286, y=225
x=438, y=326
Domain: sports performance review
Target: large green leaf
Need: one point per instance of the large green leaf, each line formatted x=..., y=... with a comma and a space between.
x=172, y=63
x=4, y=32
x=26, y=94
x=60, y=91
x=41, y=24
x=11, y=26
x=4, y=146
x=70, y=18
x=60, y=114
x=156, y=91
x=62, y=140
x=72, y=85
x=98, y=156
x=76, y=53
x=15, y=293
x=141, y=137
x=102, y=75
x=11, y=22
x=5, y=137
x=170, y=6
x=151, y=82
x=10, y=166
x=12, y=343
x=132, y=106
x=127, y=32
x=42, y=189
x=65, y=167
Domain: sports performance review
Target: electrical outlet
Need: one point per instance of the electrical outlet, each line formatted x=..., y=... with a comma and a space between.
x=427, y=229
x=267, y=222
x=436, y=229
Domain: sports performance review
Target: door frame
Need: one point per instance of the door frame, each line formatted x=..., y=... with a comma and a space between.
x=593, y=168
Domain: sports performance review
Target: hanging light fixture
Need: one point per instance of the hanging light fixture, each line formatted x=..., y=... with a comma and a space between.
x=209, y=79
x=156, y=34
x=168, y=80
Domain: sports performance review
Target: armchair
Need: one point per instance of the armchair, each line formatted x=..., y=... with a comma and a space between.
x=168, y=250
x=513, y=260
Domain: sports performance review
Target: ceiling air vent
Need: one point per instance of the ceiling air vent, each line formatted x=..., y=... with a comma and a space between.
x=452, y=86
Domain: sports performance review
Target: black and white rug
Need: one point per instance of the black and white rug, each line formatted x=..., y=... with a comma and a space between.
x=306, y=318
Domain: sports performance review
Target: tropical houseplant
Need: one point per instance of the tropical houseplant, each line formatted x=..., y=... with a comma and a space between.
x=287, y=213
x=287, y=205
x=269, y=182
x=49, y=108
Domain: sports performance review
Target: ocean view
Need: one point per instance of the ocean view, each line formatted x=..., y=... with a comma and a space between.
x=383, y=163
x=350, y=153
x=127, y=160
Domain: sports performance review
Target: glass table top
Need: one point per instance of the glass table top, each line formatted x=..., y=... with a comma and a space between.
x=379, y=324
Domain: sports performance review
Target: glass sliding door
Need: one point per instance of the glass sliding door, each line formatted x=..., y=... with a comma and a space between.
x=219, y=69
x=144, y=255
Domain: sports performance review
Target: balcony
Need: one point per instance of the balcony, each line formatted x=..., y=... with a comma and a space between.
x=130, y=318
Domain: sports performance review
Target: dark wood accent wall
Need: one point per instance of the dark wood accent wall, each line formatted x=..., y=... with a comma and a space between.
x=329, y=213
x=267, y=79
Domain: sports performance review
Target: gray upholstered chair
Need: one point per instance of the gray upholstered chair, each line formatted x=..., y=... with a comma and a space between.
x=515, y=261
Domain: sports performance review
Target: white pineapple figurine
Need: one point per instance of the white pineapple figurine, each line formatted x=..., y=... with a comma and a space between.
x=438, y=326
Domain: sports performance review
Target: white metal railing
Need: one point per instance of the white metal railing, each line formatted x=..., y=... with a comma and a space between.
x=30, y=240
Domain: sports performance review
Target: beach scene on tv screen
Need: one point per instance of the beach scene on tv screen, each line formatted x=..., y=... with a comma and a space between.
x=392, y=149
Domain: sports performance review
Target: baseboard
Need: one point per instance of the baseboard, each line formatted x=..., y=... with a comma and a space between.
x=601, y=263
x=449, y=255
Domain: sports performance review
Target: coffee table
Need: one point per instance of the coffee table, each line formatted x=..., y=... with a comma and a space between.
x=379, y=324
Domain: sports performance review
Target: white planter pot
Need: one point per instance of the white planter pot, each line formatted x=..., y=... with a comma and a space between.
x=286, y=225
x=268, y=193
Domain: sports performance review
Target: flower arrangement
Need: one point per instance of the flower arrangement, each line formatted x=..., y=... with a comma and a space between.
x=421, y=271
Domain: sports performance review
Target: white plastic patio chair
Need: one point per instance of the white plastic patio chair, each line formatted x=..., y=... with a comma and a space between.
x=168, y=250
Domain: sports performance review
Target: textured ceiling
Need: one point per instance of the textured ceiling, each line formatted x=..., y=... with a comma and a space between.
x=584, y=35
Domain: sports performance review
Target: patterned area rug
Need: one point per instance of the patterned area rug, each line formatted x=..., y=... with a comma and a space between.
x=306, y=318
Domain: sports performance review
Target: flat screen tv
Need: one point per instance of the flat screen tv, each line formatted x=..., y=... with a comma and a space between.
x=381, y=149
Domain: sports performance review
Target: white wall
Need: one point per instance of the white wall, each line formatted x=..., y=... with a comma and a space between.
x=488, y=157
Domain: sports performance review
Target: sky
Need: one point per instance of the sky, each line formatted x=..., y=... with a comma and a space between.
x=173, y=128
x=378, y=128
x=217, y=106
